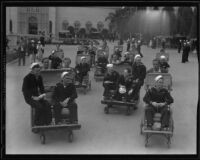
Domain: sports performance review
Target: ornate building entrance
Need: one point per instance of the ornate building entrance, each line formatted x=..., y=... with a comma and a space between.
x=32, y=25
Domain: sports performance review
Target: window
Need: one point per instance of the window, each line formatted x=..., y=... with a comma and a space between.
x=65, y=25
x=50, y=26
x=10, y=26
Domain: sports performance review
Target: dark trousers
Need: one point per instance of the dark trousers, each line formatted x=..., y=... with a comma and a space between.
x=43, y=115
x=80, y=76
x=73, y=116
x=184, y=56
x=165, y=112
x=128, y=47
x=21, y=56
x=103, y=67
x=107, y=88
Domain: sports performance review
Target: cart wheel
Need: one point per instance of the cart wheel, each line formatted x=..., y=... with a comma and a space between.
x=70, y=136
x=128, y=111
x=106, y=110
x=42, y=138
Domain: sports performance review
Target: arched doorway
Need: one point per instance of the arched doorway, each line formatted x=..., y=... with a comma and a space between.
x=32, y=25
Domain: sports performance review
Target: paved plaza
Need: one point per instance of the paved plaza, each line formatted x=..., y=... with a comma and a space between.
x=101, y=133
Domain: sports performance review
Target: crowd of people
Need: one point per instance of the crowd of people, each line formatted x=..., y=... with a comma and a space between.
x=125, y=86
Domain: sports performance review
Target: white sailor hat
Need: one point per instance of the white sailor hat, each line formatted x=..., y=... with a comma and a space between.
x=109, y=65
x=53, y=51
x=137, y=56
x=32, y=41
x=39, y=42
x=83, y=57
x=158, y=77
x=162, y=57
x=34, y=65
x=126, y=53
x=64, y=74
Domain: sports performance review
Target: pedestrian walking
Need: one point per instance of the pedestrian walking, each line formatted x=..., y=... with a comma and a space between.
x=39, y=52
x=128, y=44
x=21, y=52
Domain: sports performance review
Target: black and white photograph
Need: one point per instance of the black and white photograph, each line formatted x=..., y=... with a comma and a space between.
x=101, y=80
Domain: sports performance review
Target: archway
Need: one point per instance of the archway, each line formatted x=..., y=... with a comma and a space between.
x=32, y=25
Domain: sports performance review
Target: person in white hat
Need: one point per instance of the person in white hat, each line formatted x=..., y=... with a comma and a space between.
x=138, y=71
x=158, y=99
x=110, y=80
x=32, y=49
x=34, y=95
x=164, y=66
x=82, y=70
x=64, y=96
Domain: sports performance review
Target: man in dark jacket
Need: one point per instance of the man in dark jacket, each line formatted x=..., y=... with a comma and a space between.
x=138, y=71
x=33, y=91
x=102, y=62
x=110, y=80
x=56, y=62
x=64, y=96
x=158, y=99
x=82, y=70
x=130, y=88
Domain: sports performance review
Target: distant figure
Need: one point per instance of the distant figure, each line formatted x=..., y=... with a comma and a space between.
x=56, y=62
x=21, y=52
x=46, y=63
x=155, y=68
x=128, y=45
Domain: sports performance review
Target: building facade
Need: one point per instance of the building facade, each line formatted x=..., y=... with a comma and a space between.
x=32, y=20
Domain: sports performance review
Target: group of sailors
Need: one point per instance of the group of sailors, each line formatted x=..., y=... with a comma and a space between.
x=128, y=85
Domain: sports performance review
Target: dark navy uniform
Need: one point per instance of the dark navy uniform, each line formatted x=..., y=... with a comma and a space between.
x=102, y=62
x=55, y=62
x=83, y=69
x=164, y=67
x=31, y=87
x=129, y=84
x=112, y=77
x=60, y=93
x=159, y=96
x=139, y=72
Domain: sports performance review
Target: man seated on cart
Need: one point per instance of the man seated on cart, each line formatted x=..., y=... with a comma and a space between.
x=138, y=71
x=56, y=62
x=118, y=53
x=127, y=88
x=82, y=70
x=156, y=66
x=115, y=59
x=158, y=99
x=34, y=95
x=102, y=61
x=66, y=65
x=64, y=96
x=110, y=81
x=45, y=63
x=164, y=66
